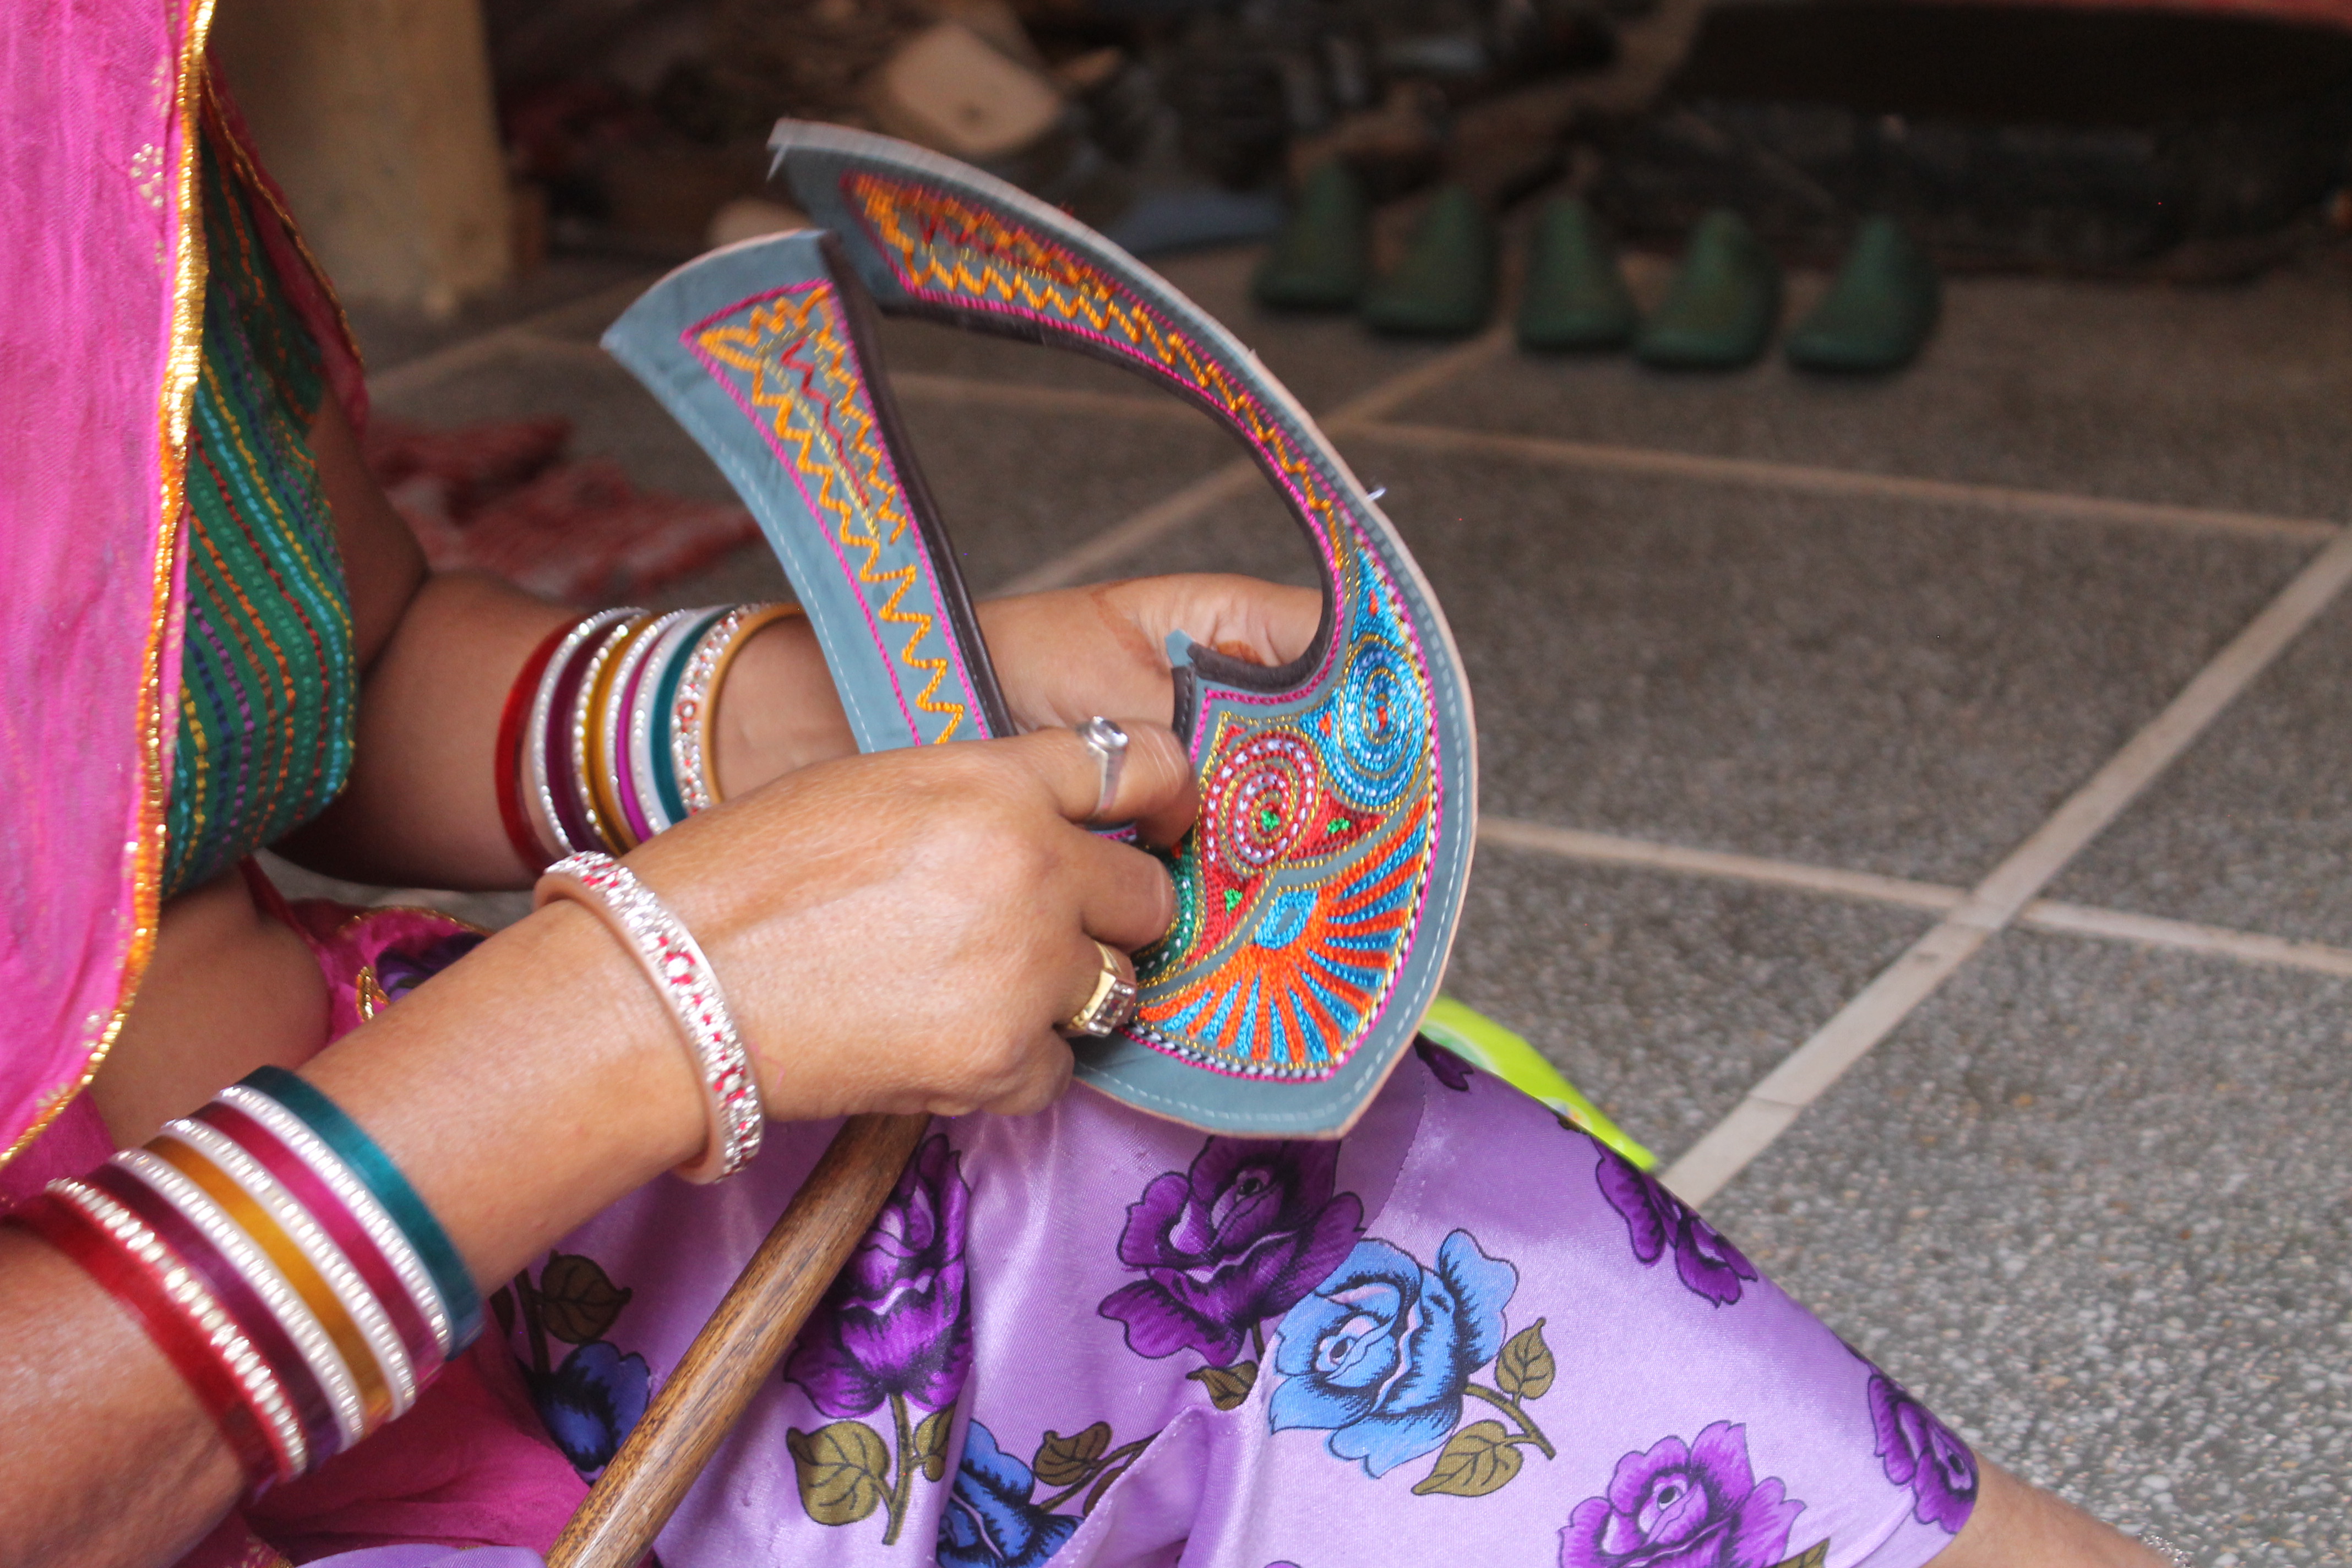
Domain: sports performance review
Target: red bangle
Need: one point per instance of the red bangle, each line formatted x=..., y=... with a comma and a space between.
x=79, y=1237
x=512, y=723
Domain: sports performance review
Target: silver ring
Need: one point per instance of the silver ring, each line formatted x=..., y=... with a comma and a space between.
x=1112, y=1004
x=1107, y=741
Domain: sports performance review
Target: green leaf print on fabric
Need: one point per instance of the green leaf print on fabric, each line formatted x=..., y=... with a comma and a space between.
x=578, y=1302
x=844, y=1471
x=1479, y=1459
x=1229, y=1387
x=1525, y=1368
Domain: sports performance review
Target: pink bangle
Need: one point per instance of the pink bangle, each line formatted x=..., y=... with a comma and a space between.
x=675, y=963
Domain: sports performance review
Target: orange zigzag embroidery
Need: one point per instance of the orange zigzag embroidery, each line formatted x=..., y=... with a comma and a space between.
x=775, y=343
x=1022, y=268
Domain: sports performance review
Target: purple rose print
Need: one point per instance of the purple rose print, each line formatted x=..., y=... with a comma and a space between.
x=1444, y=1065
x=592, y=1402
x=1656, y=1219
x=1238, y=1238
x=894, y=1322
x=1380, y=1354
x=1678, y=1506
x=1922, y=1453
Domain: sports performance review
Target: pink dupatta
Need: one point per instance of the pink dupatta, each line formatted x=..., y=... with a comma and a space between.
x=101, y=305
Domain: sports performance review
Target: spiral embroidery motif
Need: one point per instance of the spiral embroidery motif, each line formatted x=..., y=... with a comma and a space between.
x=1297, y=895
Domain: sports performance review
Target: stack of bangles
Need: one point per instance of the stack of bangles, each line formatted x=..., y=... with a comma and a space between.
x=607, y=735
x=270, y=1250
x=281, y=1261
x=289, y=1272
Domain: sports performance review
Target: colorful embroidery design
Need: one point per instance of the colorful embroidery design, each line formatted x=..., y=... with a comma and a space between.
x=1687, y=1505
x=788, y=361
x=269, y=674
x=1299, y=889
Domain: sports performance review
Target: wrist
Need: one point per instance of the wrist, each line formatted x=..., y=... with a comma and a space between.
x=525, y=1088
x=778, y=712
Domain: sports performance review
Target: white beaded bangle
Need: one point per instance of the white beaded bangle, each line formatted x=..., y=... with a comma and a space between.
x=539, y=790
x=689, y=987
x=696, y=702
x=358, y=1302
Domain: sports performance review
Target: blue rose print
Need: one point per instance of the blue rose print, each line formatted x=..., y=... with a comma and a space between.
x=592, y=1402
x=989, y=1520
x=1379, y=1355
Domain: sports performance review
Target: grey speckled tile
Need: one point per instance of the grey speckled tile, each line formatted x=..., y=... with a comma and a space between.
x=573, y=295
x=2081, y=1203
x=1663, y=998
x=2253, y=827
x=2224, y=397
x=1890, y=688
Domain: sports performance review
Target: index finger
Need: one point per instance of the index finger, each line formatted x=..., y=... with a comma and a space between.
x=1152, y=786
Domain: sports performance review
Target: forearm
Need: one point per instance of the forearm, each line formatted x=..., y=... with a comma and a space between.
x=520, y=1092
x=422, y=807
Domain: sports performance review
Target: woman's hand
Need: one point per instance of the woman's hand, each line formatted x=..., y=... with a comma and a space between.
x=1062, y=657
x=1066, y=656
x=902, y=931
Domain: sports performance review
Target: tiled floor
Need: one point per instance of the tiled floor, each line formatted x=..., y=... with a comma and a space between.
x=2088, y=1196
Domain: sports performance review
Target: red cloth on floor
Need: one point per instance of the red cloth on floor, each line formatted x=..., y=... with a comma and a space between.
x=498, y=498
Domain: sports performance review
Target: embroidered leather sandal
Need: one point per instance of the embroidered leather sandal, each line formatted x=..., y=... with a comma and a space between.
x=1320, y=890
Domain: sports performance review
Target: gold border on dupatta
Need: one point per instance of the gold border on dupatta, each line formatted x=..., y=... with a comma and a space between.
x=183, y=366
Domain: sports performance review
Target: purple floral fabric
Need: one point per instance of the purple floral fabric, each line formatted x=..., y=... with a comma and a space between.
x=1427, y=1342
x=1444, y=1065
x=1657, y=1221
x=1381, y=1354
x=1695, y=1505
x=591, y=1402
x=894, y=1322
x=1237, y=1238
x=1922, y=1453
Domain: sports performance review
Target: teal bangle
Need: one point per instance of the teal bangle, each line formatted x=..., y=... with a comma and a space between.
x=673, y=799
x=376, y=1172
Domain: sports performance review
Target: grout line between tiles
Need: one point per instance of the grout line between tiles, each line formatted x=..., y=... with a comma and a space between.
x=1867, y=886
x=1783, y=1095
x=1751, y=473
x=1608, y=848
x=1162, y=518
x=1649, y=462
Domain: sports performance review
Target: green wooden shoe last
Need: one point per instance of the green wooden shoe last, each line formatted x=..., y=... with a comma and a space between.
x=1575, y=299
x=1445, y=286
x=1317, y=261
x=1720, y=308
x=1878, y=311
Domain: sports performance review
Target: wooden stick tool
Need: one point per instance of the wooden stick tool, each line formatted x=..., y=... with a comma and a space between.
x=732, y=1356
